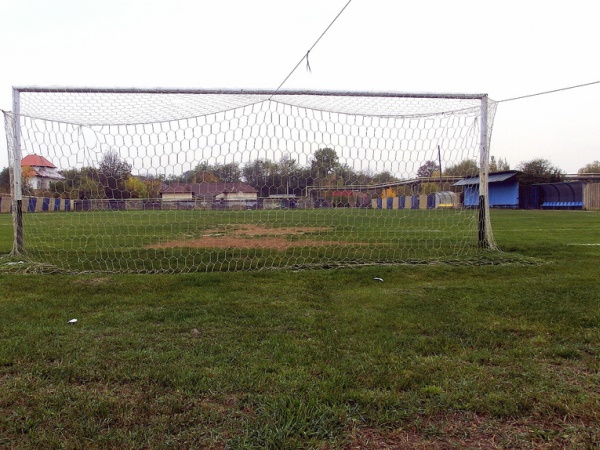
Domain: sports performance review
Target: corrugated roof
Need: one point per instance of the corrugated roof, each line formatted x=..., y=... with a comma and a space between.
x=37, y=161
x=492, y=178
x=49, y=173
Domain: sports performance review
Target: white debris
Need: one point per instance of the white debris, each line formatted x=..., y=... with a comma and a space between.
x=72, y=321
x=378, y=279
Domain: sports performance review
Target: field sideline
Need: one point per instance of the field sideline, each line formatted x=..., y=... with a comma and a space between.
x=433, y=356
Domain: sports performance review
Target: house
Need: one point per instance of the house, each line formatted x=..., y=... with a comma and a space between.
x=177, y=192
x=503, y=190
x=210, y=194
x=39, y=172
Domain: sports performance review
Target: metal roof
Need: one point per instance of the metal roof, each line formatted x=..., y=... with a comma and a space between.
x=492, y=178
x=36, y=161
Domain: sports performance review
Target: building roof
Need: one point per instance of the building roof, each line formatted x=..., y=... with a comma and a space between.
x=36, y=161
x=561, y=183
x=495, y=177
x=45, y=173
x=207, y=189
x=594, y=177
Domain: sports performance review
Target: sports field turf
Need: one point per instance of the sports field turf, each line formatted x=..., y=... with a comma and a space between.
x=196, y=241
x=434, y=356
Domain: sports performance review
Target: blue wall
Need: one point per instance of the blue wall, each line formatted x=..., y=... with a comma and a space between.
x=504, y=195
x=471, y=196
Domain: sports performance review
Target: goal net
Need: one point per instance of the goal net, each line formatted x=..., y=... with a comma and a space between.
x=113, y=180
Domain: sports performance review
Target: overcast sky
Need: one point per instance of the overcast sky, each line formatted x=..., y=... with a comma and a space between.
x=503, y=48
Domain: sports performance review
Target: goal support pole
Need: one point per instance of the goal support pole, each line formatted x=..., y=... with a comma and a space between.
x=483, y=175
x=17, y=194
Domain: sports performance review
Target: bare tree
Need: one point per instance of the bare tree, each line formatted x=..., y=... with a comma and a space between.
x=114, y=172
x=427, y=169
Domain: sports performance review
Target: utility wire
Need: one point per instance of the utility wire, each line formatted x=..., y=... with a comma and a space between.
x=305, y=56
x=548, y=92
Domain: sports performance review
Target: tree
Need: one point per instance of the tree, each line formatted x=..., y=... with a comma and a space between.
x=499, y=165
x=78, y=183
x=539, y=170
x=593, y=167
x=113, y=173
x=259, y=174
x=5, y=180
x=429, y=188
x=325, y=162
x=363, y=177
x=427, y=169
x=136, y=187
x=228, y=173
x=153, y=186
x=209, y=173
x=464, y=168
x=90, y=187
x=27, y=173
x=288, y=172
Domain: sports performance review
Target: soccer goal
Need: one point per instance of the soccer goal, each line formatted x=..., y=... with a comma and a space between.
x=156, y=180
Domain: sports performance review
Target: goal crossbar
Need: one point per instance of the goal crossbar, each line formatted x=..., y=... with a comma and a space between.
x=262, y=92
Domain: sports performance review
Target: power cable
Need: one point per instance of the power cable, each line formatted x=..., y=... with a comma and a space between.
x=548, y=92
x=305, y=56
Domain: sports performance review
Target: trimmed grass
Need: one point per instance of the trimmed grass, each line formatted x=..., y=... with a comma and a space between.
x=130, y=241
x=450, y=356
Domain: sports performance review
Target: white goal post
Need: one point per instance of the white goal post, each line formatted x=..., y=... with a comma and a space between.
x=179, y=180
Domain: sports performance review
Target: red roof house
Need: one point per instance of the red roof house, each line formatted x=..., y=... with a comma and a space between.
x=40, y=172
x=36, y=161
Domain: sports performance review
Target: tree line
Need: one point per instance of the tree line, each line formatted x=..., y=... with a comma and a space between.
x=113, y=177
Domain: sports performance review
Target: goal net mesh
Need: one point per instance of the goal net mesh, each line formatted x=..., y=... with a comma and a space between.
x=181, y=181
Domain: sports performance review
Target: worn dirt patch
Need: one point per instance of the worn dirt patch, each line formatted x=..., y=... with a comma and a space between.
x=251, y=236
x=94, y=281
x=253, y=230
x=462, y=430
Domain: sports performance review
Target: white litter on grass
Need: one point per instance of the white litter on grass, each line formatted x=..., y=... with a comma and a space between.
x=72, y=321
x=378, y=279
x=14, y=263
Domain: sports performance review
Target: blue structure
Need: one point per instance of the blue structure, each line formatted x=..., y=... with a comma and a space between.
x=503, y=190
x=564, y=195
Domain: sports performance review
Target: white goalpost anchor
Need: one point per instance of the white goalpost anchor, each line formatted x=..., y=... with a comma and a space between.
x=484, y=234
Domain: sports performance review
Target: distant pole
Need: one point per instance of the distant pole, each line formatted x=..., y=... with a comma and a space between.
x=440, y=165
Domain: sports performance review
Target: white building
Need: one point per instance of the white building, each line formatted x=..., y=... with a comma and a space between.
x=39, y=172
x=231, y=194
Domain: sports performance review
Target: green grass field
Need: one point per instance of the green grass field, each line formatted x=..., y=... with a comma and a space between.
x=434, y=356
x=126, y=241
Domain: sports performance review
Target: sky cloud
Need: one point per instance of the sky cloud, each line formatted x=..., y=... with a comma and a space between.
x=506, y=49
